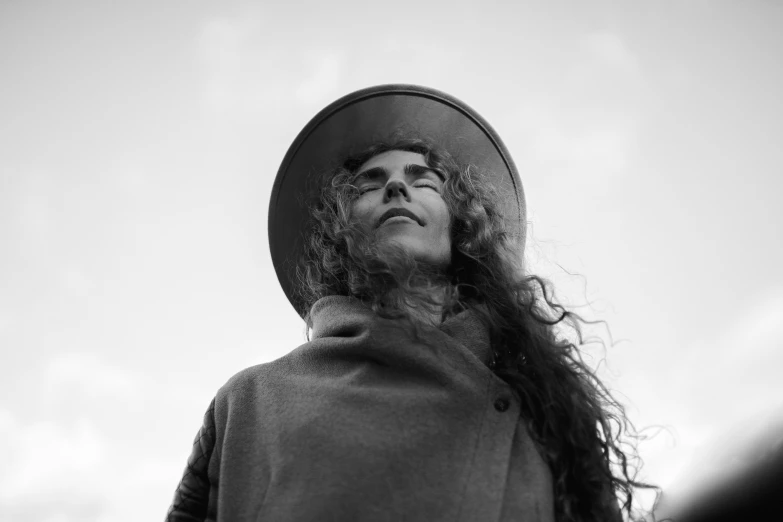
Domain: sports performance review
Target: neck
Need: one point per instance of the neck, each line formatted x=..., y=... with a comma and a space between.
x=429, y=314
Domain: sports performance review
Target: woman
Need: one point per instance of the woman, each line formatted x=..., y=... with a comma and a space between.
x=438, y=383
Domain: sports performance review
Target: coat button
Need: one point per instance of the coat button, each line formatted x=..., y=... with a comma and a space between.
x=501, y=404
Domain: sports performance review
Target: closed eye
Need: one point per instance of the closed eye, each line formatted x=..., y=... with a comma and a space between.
x=418, y=184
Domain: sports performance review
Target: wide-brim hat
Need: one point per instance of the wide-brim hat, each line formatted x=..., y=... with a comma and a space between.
x=376, y=114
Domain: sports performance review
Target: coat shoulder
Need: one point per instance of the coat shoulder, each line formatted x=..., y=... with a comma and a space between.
x=255, y=379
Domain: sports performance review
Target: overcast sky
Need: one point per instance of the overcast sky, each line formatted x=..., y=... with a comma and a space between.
x=139, y=142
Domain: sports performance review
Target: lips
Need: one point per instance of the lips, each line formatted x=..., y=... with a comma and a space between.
x=394, y=212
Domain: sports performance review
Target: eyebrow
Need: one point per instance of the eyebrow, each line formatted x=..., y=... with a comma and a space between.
x=410, y=169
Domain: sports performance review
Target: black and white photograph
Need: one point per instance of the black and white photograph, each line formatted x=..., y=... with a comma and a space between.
x=423, y=261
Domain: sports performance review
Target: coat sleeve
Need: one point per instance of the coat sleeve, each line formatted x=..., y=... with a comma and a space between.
x=191, y=499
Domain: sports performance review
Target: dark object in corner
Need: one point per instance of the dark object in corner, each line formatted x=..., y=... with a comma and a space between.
x=753, y=495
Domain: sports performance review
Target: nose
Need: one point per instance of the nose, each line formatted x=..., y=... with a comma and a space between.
x=394, y=188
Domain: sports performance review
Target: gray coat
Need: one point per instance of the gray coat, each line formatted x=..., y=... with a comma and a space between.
x=366, y=423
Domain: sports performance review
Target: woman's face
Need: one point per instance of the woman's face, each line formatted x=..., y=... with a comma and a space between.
x=401, y=182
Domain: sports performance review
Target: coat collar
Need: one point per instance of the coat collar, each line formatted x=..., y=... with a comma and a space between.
x=343, y=316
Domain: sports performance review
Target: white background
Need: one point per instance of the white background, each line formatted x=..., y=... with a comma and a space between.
x=138, y=146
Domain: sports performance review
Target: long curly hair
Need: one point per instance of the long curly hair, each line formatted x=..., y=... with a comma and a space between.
x=580, y=429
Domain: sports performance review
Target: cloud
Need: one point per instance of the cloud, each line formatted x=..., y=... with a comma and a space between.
x=601, y=148
x=29, y=196
x=60, y=453
x=239, y=66
x=761, y=326
x=245, y=73
x=611, y=50
x=93, y=449
x=220, y=48
x=56, y=471
x=588, y=124
x=91, y=376
x=47, y=459
x=326, y=69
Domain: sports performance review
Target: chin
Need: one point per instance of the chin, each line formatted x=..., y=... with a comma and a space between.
x=420, y=251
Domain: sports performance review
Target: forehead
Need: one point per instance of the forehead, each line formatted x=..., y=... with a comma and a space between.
x=394, y=159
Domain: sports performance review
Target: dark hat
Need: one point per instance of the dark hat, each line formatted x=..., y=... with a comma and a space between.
x=376, y=114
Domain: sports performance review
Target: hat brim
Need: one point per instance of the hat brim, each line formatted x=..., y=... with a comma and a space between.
x=363, y=118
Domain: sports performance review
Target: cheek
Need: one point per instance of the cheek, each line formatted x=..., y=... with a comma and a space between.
x=359, y=212
x=444, y=223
